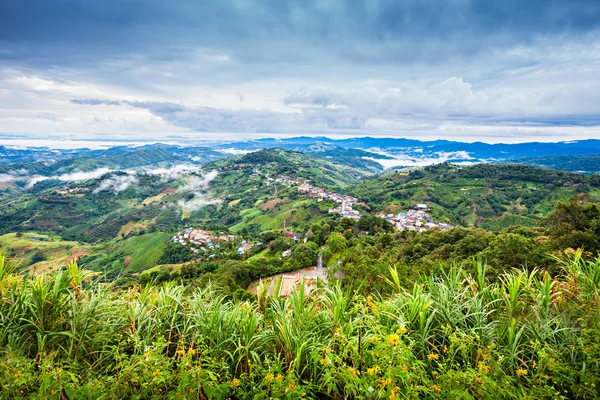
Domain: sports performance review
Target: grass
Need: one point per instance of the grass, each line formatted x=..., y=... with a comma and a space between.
x=145, y=250
x=455, y=335
x=56, y=252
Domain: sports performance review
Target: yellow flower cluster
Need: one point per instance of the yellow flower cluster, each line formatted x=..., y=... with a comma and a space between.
x=234, y=383
x=393, y=339
x=521, y=372
x=385, y=382
x=374, y=339
x=353, y=371
x=156, y=373
x=279, y=378
x=324, y=361
x=394, y=394
x=483, y=368
x=401, y=331
x=269, y=377
x=436, y=388
x=433, y=356
x=374, y=371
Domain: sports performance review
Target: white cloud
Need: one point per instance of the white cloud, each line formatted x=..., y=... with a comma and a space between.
x=117, y=183
x=198, y=186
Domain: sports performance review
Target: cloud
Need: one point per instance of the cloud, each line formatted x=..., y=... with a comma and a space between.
x=117, y=183
x=407, y=67
x=14, y=175
x=174, y=172
x=198, y=186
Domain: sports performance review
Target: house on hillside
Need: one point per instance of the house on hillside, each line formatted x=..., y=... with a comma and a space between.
x=292, y=235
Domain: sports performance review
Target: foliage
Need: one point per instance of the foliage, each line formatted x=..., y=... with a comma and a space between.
x=458, y=335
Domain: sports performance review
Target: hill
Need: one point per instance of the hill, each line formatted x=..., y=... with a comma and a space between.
x=490, y=196
x=585, y=164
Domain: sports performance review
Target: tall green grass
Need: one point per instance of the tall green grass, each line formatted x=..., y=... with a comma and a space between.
x=455, y=335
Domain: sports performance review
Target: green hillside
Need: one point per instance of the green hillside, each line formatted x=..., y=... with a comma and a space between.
x=490, y=196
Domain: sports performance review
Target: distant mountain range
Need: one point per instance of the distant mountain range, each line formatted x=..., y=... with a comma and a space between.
x=366, y=153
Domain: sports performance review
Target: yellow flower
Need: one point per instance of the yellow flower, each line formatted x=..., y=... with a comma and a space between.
x=394, y=339
x=534, y=364
x=324, y=361
x=353, y=371
x=269, y=377
x=191, y=351
x=373, y=371
x=156, y=373
x=483, y=368
x=385, y=382
x=445, y=349
x=279, y=378
x=374, y=339
x=291, y=386
x=521, y=372
x=338, y=330
x=234, y=383
x=436, y=388
x=402, y=330
x=180, y=352
x=18, y=375
x=433, y=356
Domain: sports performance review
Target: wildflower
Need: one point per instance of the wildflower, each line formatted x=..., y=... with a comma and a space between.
x=374, y=371
x=269, y=377
x=483, y=368
x=445, y=349
x=180, y=352
x=156, y=373
x=402, y=330
x=394, y=339
x=279, y=378
x=436, y=388
x=234, y=383
x=324, y=361
x=18, y=375
x=338, y=330
x=291, y=386
x=374, y=339
x=433, y=356
x=385, y=382
x=521, y=372
x=191, y=351
x=353, y=371
x=534, y=364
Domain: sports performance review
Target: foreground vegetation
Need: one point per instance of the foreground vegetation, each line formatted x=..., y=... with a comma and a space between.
x=454, y=335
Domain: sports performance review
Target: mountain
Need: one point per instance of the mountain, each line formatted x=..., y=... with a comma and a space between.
x=575, y=163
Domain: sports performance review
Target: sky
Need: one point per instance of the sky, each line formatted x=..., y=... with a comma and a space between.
x=467, y=70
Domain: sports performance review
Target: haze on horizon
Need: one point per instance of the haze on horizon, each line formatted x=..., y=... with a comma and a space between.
x=466, y=70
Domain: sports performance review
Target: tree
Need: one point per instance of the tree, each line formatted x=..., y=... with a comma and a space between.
x=336, y=242
x=305, y=254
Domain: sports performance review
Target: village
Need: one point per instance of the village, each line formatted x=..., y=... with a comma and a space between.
x=200, y=240
x=346, y=202
x=415, y=220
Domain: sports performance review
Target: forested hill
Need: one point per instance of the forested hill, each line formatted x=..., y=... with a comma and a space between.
x=346, y=167
x=486, y=195
x=585, y=164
